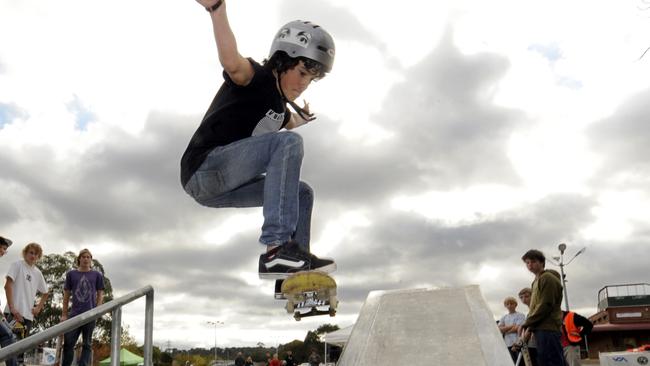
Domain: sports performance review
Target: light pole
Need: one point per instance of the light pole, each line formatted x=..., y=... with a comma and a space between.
x=215, y=323
x=560, y=259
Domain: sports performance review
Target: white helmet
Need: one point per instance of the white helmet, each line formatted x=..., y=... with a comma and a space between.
x=305, y=39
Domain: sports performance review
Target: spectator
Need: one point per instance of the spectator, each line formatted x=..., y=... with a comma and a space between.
x=314, y=358
x=249, y=361
x=275, y=361
x=23, y=282
x=544, y=319
x=574, y=328
x=289, y=359
x=524, y=296
x=85, y=287
x=239, y=360
x=7, y=336
x=509, y=324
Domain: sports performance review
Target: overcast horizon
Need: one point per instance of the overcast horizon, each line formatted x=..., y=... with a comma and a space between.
x=451, y=138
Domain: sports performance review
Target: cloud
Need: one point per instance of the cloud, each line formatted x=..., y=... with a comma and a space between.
x=446, y=132
x=339, y=21
x=623, y=142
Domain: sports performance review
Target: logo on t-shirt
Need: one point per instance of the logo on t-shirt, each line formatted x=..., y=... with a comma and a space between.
x=271, y=122
x=84, y=290
x=28, y=277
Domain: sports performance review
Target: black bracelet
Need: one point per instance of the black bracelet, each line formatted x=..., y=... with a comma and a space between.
x=214, y=7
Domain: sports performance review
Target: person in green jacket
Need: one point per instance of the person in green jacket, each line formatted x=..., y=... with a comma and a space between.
x=545, y=314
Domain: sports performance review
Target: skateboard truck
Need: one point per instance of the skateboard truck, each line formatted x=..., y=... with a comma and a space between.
x=308, y=290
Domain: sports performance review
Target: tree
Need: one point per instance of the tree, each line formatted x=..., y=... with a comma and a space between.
x=54, y=267
x=327, y=328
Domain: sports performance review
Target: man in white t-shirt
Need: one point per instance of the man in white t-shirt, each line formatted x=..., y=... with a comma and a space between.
x=24, y=282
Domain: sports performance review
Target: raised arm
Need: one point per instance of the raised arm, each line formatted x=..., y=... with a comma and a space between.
x=236, y=66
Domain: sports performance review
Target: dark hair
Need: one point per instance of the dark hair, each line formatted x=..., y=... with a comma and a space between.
x=281, y=62
x=534, y=254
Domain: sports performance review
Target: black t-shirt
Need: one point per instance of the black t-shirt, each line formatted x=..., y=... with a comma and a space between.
x=236, y=112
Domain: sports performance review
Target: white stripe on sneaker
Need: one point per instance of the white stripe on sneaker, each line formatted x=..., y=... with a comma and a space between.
x=284, y=262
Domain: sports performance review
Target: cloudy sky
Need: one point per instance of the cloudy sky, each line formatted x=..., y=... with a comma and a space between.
x=451, y=138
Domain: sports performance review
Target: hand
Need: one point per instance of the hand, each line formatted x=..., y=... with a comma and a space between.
x=305, y=106
x=206, y=3
x=17, y=316
x=301, y=118
x=36, y=310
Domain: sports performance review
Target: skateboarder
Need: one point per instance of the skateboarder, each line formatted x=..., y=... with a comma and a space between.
x=85, y=287
x=238, y=158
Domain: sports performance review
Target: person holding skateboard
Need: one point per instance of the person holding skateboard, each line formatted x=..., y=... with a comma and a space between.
x=7, y=337
x=85, y=287
x=238, y=157
x=23, y=281
x=544, y=319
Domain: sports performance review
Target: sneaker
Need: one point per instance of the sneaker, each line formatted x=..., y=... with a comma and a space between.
x=278, y=290
x=289, y=258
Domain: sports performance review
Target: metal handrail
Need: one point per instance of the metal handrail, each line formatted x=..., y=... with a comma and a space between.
x=114, y=306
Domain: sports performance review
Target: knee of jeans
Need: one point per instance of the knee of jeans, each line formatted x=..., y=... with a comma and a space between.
x=306, y=192
x=292, y=140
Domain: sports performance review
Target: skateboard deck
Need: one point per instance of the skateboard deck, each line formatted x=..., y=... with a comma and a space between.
x=58, y=358
x=312, y=291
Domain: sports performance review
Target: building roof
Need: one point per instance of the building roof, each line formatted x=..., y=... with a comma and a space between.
x=619, y=327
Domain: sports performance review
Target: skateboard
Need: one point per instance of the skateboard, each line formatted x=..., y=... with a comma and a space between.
x=58, y=359
x=312, y=291
x=522, y=346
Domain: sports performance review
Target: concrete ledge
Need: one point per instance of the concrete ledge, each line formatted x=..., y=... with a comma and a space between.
x=449, y=326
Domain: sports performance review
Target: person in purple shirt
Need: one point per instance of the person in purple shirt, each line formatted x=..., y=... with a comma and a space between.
x=85, y=287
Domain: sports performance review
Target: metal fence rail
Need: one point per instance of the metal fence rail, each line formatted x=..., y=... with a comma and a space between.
x=115, y=307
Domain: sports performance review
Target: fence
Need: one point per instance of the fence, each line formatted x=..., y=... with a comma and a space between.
x=115, y=307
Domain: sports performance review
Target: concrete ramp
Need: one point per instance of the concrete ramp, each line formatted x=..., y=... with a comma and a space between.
x=450, y=326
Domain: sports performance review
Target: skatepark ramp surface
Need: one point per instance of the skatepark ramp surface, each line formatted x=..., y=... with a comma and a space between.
x=417, y=327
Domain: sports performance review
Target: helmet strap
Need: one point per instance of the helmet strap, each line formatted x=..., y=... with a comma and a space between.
x=301, y=112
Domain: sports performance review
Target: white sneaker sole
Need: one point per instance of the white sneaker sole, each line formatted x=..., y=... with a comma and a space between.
x=283, y=276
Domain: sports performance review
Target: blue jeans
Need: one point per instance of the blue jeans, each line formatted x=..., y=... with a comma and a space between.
x=70, y=339
x=27, y=328
x=549, y=348
x=260, y=171
x=7, y=338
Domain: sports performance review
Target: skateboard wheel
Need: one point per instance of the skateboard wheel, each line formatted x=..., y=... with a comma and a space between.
x=297, y=316
x=289, y=307
x=333, y=302
x=332, y=312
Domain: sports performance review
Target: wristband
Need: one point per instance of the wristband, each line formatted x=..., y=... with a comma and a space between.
x=214, y=7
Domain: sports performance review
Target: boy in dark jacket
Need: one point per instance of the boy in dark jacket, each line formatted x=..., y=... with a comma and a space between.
x=545, y=315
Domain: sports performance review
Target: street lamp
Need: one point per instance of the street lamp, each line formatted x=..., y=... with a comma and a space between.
x=560, y=259
x=215, y=323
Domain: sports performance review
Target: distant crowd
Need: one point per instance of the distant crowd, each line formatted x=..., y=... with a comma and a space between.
x=551, y=336
x=24, y=283
x=274, y=360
